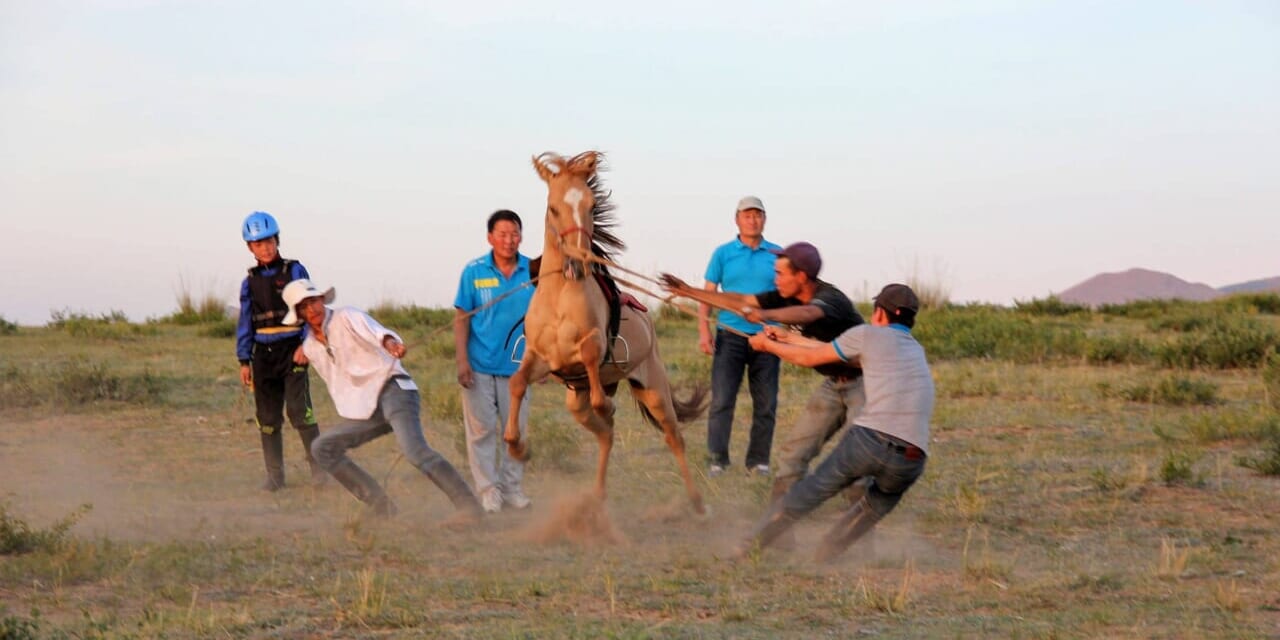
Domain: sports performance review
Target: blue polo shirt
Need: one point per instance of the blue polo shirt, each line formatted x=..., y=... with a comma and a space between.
x=738, y=268
x=494, y=331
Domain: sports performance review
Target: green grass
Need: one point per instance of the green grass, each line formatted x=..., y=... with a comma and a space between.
x=1077, y=487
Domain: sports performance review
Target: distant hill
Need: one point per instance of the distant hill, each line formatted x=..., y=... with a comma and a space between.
x=1253, y=286
x=1135, y=284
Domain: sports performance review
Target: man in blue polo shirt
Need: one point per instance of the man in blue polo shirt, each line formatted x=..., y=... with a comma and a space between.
x=484, y=345
x=743, y=265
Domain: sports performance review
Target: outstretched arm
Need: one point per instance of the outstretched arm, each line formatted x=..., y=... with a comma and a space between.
x=807, y=354
x=734, y=302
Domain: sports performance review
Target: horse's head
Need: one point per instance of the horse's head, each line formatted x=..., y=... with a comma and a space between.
x=570, y=201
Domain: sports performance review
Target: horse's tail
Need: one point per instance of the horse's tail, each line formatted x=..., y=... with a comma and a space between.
x=689, y=409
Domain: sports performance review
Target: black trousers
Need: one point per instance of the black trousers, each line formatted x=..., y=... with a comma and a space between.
x=280, y=385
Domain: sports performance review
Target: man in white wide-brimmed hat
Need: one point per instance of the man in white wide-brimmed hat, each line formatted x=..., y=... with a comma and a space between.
x=359, y=361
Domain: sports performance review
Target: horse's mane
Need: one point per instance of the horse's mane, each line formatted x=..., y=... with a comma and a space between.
x=604, y=243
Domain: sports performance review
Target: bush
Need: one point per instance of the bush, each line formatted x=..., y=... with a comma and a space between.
x=1147, y=308
x=984, y=331
x=1051, y=306
x=113, y=325
x=1179, y=468
x=1229, y=343
x=1271, y=379
x=1176, y=391
x=1185, y=322
x=1268, y=463
x=1116, y=350
x=1250, y=303
x=17, y=537
x=406, y=317
x=76, y=382
x=225, y=328
x=1223, y=424
x=7, y=328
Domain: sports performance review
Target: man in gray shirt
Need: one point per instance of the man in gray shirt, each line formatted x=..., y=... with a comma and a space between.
x=889, y=440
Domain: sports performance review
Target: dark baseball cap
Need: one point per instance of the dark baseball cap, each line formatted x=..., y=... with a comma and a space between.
x=897, y=296
x=803, y=256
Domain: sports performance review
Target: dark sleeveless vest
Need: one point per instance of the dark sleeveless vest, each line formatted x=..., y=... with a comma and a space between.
x=265, y=300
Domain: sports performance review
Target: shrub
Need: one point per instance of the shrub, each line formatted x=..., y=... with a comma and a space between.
x=7, y=328
x=1146, y=308
x=1271, y=379
x=1250, y=303
x=1051, y=306
x=1268, y=463
x=983, y=331
x=1230, y=343
x=1177, y=391
x=1185, y=322
x=1116, y=350
x=1179, y=468
x=1223, y=424
x=225, y=328
x=405, y=317
x=113, y=325
x=76, y=382
x=18, y=537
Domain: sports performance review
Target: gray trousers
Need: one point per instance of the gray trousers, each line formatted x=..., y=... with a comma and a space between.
x=397, y=413
x=830, y=407
x=485, y=407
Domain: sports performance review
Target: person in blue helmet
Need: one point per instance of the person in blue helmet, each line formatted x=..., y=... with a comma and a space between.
x=271, y=359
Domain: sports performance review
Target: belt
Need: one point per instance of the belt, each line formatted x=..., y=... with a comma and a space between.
x=908, y=450
x=843, y=379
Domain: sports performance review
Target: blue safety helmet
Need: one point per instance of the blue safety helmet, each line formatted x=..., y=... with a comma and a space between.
x=260, y=226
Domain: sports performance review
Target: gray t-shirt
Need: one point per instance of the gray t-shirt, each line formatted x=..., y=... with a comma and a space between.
x=896, y=378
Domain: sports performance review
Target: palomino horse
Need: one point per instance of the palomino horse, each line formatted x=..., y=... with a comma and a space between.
x=568, y=322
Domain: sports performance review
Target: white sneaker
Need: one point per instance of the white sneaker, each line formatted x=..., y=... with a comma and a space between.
x=491, y=501
x=516, y=499
x=760, y=470
x=714, y=470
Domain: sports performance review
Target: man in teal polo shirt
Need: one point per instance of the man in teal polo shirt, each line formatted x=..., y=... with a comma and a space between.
x=743, y=265
x=484, y=345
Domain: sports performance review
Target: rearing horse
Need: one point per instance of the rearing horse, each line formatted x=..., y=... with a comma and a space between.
x=568, y=323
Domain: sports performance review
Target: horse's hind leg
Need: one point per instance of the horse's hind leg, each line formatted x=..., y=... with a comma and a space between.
x=591, y=350
x=602, y=426
x=658, y=402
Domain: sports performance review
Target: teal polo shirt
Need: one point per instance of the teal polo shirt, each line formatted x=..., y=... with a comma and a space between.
x=494, y=331
x=738, y=268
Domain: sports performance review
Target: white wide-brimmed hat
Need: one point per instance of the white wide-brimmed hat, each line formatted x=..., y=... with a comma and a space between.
x=300, y=290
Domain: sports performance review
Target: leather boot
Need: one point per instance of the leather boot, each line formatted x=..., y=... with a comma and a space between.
x=851, y=525
x=774, y=524
x=273, y=456
x=786, y=541
x=309, y=434
x=363, y=487
x=447, y=478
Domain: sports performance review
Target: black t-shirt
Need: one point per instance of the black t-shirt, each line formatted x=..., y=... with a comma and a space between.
x=838, y=315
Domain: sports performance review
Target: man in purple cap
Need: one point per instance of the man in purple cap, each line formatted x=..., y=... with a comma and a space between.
x=888, y=443
x=822, y=312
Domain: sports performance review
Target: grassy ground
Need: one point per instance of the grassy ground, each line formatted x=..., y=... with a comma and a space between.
x=1066, y=498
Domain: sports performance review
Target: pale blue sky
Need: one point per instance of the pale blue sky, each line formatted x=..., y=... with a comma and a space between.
x=1008, y=149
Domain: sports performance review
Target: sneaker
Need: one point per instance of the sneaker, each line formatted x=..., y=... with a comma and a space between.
x=516, y=499
x=714, y=470
x=759, y=470
x=491, y=501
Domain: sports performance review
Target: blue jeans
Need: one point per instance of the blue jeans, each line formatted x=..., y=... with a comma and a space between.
x=733, y=355
x=861, y=453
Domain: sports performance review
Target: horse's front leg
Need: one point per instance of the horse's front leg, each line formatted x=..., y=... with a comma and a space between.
x=531, y=368
x=591, y=351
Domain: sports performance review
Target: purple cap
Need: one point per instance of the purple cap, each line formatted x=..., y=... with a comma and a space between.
x=803, y=256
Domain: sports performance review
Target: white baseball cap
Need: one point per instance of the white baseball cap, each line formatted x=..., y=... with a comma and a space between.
x=750, y=202
x=300, y=290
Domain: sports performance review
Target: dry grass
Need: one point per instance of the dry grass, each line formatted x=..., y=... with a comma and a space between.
x=1043, y=513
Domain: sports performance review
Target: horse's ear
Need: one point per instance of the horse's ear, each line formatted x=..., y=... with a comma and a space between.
x=545, y=172
x=584, y=164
